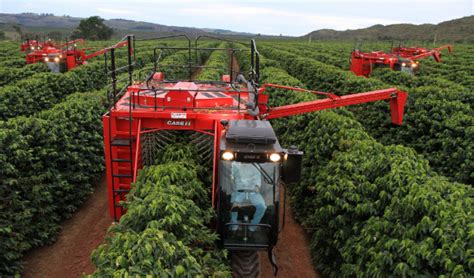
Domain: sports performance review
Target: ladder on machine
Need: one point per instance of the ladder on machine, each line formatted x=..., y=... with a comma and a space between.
x=123, y=137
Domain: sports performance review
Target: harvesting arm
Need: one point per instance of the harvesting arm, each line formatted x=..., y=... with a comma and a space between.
x=71, y=42
x=397, y=102
x=435, y=52
x=102, y=51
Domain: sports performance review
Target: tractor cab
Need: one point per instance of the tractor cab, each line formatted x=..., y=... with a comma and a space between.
x=252, y=165
x=61, y=61
x=56, y=62
x=406, y=65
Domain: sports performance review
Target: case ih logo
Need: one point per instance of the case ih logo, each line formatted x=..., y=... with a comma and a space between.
x=178, y=123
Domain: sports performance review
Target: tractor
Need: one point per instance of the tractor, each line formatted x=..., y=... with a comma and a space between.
x=228, y=119
x=32, y=45
x=404, y=59
x=64, y=57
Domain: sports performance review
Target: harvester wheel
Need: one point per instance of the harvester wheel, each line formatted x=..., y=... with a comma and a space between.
x=245, y=264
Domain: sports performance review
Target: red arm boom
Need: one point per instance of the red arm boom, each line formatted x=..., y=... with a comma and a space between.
x=448, y=46
x=435, y=52
x=397, y=102
x=70, y=42
x=102, y=51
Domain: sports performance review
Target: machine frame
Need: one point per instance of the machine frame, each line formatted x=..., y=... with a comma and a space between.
x=155, y=105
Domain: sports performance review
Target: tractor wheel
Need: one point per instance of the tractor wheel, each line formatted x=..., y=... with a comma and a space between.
x=245, y=264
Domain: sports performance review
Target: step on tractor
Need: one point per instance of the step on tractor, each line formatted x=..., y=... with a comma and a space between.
x=404, y=59
x=64, y=57
x=228, y=120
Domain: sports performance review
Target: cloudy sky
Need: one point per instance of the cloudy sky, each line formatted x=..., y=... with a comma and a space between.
x=267, y=17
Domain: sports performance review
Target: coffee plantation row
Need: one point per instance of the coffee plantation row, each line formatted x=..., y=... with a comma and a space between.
x=49, y=162
x=357, y=188
x=164, y=232
x=371, y=208
x=438, y=122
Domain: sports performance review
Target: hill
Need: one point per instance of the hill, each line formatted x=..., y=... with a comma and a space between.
x=45, y=23
x=457, y=30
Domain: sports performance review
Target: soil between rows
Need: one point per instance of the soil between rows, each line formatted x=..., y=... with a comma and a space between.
x=69, y=256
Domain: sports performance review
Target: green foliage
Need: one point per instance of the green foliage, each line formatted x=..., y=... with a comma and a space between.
x=13, y=63
x=48, y=165
x=43, y=90
x=49, y=160
x=10, y=75
x=176, y=66
x=437, y=122
x=93, y=28
x=372, y=210
x=164, y=231
x=216, y=65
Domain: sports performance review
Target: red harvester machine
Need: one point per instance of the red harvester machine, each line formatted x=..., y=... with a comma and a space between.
x=65, y=57
x=403, y=59
x=32, y=45
x=228, y=120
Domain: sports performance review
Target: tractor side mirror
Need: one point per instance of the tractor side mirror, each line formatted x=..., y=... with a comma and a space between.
x=292, y=165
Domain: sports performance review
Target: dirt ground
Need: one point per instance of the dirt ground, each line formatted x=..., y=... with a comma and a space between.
x=292, y=252
x=69, y=256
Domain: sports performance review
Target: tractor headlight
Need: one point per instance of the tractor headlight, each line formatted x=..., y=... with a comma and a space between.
x=275, y=157
x=46, y=59
x=227, y=156
x=56, y=59
x=32, y=48
x=414, y=65
x=404, y=64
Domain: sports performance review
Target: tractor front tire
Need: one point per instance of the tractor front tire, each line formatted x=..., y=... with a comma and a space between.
x=245, y=264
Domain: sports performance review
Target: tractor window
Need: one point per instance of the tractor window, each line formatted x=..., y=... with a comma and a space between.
x=248, y=200
x=53, y=66
x=252, y=177
x=408, y=69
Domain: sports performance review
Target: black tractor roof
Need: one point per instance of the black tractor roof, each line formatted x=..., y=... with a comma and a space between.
x=250, y=131
x=250, y=136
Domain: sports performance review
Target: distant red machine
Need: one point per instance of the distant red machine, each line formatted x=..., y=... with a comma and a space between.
x=64, y=57
x=32, y=45
x=403, y=59
x=39, y=51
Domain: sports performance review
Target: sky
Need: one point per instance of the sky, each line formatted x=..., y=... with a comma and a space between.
x=294, y=18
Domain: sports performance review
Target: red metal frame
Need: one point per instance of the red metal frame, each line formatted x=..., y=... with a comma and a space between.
x=363, y=63
x=73, y=57
x=31, y=45
x=415, y=53
x=200, y=107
